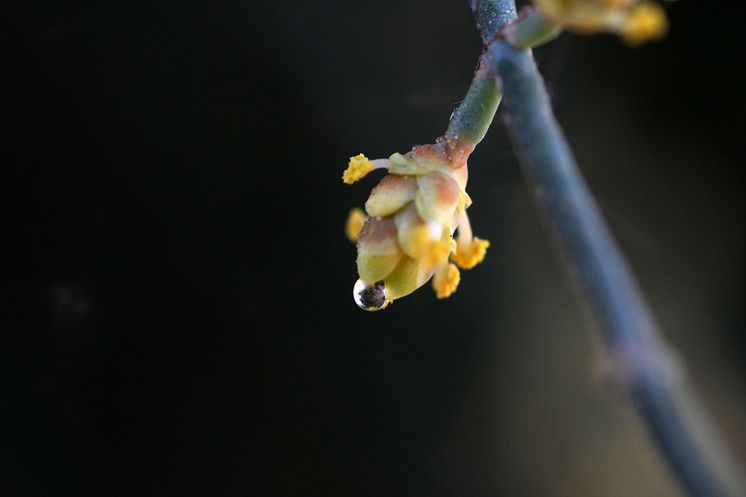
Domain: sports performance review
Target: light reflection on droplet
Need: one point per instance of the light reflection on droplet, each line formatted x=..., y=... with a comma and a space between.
x=370, y=298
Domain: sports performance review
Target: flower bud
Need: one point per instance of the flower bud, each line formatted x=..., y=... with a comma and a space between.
x=412, y=215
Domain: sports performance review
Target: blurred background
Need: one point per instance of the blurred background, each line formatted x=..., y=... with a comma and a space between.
x=176, y=312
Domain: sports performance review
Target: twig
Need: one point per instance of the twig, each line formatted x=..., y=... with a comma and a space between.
x=473, y=117
x=640, y=358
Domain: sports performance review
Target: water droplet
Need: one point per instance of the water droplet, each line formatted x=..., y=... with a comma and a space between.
x=370, y=298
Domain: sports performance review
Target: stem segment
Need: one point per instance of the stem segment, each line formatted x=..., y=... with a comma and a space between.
x=471, y=120
x=531, y=30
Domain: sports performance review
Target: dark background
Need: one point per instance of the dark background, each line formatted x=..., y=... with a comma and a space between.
x=176, y=312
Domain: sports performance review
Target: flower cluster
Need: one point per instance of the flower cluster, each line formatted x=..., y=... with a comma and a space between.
x=636, y=21
x=405, y=236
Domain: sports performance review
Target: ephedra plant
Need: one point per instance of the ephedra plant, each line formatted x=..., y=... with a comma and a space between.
x=415, y=228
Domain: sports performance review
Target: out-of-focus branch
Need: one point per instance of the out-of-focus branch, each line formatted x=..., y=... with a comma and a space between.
x=642, y=361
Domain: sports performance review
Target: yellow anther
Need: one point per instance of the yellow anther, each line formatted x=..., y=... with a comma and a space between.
x=464, y=201
x=446, y=280
x=355, y=221
x=358, y=167
x=417, y=242
x=469, y=254
x=647, y=21
x=437, y=252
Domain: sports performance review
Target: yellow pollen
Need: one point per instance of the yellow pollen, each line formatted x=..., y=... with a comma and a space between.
x=355, y=221
x=446, y=280
x=646, y=22
x=468, y=255
x=464, y=201
x=420, y=245
x=357, y=168
x=418, y=242
x=437, y=252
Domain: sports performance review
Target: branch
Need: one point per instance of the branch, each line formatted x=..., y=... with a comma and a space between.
x=471, y=120
x=642, y=361
x=473, y=117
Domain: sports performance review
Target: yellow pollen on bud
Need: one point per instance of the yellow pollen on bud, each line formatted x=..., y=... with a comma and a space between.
x=355, y=221
x=417, y=243
x=646, y=22
x=438, y=252
x=469, y=254
x=446, y=280
x=464, y=201
x=420, y=245
x=358, y=167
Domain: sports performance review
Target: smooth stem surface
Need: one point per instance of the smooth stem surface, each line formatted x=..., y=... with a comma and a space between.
x=531, y=31
x=473, y=117
x=641, y=360
x=471, y=120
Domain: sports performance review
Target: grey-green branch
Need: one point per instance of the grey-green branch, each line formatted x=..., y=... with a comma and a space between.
x=641, y=360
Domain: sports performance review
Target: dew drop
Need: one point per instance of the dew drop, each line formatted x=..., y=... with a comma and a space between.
x=370, y=298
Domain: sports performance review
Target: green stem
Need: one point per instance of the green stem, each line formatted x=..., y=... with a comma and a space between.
x=471, y=120
x=531, y=31
x=473, y=117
